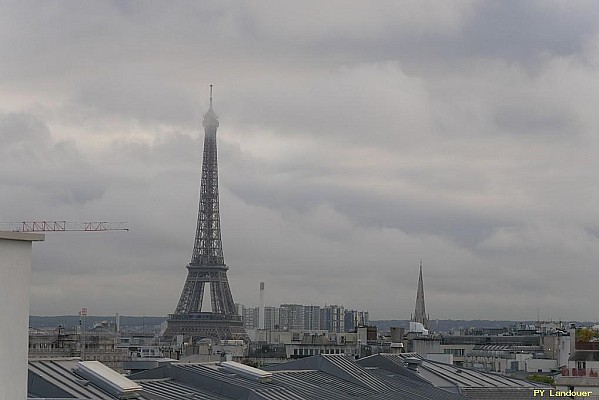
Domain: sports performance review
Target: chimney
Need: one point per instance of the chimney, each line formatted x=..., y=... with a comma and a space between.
x=261, y=310
x=412, y=363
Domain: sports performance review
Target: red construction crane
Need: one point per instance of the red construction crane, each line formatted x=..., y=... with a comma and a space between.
x=64, y=226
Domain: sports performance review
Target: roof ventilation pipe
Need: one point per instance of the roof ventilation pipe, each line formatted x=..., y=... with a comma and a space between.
x=413, y=363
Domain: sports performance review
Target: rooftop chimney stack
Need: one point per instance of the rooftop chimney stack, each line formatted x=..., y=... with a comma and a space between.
x=261, y=310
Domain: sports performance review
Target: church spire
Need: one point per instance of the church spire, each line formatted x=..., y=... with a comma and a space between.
x=420, y=311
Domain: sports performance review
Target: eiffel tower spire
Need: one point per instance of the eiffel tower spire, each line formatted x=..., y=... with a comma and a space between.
x=207, y=266
x=420, y=311
x=208, y=249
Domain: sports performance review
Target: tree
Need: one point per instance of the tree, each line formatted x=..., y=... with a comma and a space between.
x=541, y=378
x=585, y=335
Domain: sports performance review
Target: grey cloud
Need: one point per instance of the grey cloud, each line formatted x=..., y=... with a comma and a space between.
x=55, y=171
x=22, y=128
x=127, y=94
x=524, y=31
x=465, y=227
x=109, y=33
x=530, y=120
x=353, y=143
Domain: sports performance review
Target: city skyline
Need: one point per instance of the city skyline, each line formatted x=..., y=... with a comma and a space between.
x=355, y=140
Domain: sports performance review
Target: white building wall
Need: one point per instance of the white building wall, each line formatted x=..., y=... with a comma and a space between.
x=440, y=357
x=15, y=269
x=522, y=359
x=536, y=365
x=424, y=347
x=564, y=350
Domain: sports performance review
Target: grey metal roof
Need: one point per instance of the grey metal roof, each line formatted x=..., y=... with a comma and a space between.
x=316, y=384
x=207, y=380
x=343, y=363
x=320, y=385
x=345, y=378
x=473, y=378
x=332, y=378
x=471, y=384
x=169, y=389
x=506, y=347
x=55, y=378
x=410, y=388
x=441, y=374
x=219, y=375
x=337, y=365
x=280, y=393
x=499, y=393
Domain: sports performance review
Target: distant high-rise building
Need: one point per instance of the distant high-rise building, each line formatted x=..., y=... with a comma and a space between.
x=312, y=317
x=251, y=317
x=291, y=317
x=363, y=318
x=332, y=318
x=240, y=308
x=420, y=310
x=355, y=319
x=207, y=271
x=271, y=318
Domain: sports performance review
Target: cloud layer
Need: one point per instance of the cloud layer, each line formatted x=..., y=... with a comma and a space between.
x=354, y=141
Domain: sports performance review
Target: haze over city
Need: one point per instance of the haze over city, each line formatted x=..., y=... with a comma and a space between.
x=355, y=140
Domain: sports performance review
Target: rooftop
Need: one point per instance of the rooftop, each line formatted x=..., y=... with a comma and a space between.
x=470, y=383
x=334, y=377
x=23, y=236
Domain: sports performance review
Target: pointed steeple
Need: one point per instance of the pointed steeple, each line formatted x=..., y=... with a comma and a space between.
x=420, y=311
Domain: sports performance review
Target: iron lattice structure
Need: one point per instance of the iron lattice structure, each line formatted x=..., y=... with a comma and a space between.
x=207, y=266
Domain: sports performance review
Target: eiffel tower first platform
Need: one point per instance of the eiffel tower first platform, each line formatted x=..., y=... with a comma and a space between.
x=207, y=271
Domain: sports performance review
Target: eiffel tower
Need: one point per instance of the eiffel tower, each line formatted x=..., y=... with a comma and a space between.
x=207, y=267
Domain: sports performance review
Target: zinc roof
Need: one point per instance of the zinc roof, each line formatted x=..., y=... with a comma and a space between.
x=169, y=389
x=55, y=378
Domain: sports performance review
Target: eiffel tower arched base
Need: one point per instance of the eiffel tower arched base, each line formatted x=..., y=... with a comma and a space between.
x=204, y=325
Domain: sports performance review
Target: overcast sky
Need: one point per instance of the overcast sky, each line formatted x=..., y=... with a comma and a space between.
x=355, y=139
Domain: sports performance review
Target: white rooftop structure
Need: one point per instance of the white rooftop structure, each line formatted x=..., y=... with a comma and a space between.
x=417, y=327
x=15, y=269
